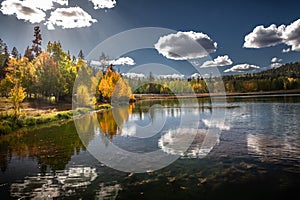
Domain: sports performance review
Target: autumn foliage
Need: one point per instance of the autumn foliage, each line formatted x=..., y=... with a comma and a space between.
x=113, y=88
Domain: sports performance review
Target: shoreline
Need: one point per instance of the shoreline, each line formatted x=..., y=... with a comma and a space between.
x=142, y=97
x=8, y=125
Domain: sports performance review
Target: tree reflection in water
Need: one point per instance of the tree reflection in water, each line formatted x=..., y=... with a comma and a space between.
x=111, y=121
x=52, y=146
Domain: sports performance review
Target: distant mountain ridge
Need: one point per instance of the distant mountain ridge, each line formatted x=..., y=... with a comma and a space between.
x=291, y=70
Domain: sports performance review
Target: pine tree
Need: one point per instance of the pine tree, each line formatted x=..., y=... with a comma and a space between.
x=4, y=57
x=80, y=55
x=37, y=42
x=15, y=52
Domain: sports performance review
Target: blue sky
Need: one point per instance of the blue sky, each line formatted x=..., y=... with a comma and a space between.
x=226, y=23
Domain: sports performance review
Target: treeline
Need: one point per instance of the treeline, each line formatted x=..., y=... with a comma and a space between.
x=50, y=75
x=286, y=77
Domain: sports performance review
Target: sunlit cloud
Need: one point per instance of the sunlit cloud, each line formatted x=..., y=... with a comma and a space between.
x=73, y=17
x=132, y=75
x=275, y=59
x=286, y=50
x=196, y=75
x=270, y=36
x=242, y=68
x=23, y=10
x=36, y=11
x=171, y=76
x=123, y=61
x=100, y=4
x=46, y=4
x=118, y=61
x=275, y=62
x=218, y=62
x=291, y=35
x=275, y=65
x=185, y=45
x=264, y=37
x=32, y=11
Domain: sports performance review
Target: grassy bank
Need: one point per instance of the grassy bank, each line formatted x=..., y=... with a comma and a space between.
x=9, y=124
x=47, y=113
x=39, y=116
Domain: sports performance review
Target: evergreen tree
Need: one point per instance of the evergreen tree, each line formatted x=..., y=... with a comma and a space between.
x=37, y=42
x=80, y=55
x=15, y=52
x=4, y=57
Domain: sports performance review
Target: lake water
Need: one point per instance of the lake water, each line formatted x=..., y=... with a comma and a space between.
x=253, y=152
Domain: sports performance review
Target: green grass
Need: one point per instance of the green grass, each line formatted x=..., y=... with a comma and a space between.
x=9, y=124
x=103, y=106
x=6, y=126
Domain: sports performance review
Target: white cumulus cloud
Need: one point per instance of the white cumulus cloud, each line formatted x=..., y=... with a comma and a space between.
x=72, y=17
x=275, y=59
x=291, y=35
x=242, y=68
x=218, y=62
x=286, y=50
x=275, y=62
x=264, y=37
x=32, y=11
x=171, y=76
x=45, y=4
x=119, y=61
x=23, y=10
x=133, y=75
x=185, y=45
x=270, y=36
x=275, y=65
x=123, y=61
x=98, y=4
x=195, y=75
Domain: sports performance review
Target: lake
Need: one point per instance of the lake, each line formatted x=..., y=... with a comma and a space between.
x=242, y=147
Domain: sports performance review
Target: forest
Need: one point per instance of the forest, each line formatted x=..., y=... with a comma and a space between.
x=50, y=75
x=286, y=77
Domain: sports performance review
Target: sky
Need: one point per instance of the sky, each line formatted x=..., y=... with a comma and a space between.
x=235, y=36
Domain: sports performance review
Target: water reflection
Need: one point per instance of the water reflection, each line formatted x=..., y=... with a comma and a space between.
x=51, y=146
x=133, y=120
x=174, y=143
x=259, y=144
x=49, y=186
x=155, y=122
x=274, y=147
x=215, y=123
x=108, y=192
x=135, y=133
